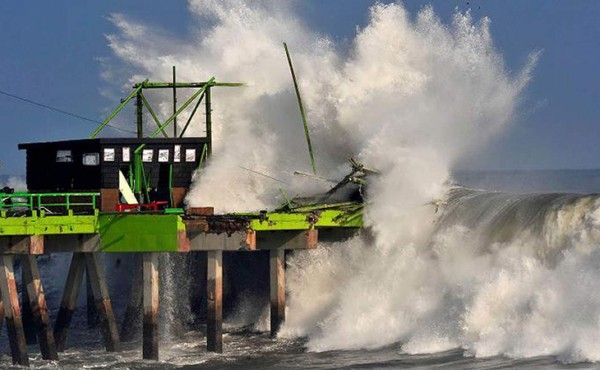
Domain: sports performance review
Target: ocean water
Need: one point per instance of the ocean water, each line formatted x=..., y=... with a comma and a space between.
x=247, y=344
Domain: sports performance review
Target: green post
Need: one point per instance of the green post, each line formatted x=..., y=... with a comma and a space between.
x=139, y=115
x=302, y=113
x=208, y=121
x=174, y=103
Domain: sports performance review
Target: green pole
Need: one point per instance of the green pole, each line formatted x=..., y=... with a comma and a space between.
x=302, y=113
x=208, y=104
x=174, y=103
x=139, y=115
x=151, y=111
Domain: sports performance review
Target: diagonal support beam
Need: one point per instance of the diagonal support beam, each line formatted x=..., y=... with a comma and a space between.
x=37, y=301
x=108, y=324
x=8, y=289
x=1, y=313
x=69, y=300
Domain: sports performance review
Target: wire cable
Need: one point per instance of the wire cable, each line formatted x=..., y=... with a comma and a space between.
x=62, y=111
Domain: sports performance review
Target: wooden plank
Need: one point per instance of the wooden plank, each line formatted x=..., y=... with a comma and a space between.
x=69, y=300
x=108, y=324
x=214, y=290
x=151, y=302
x=8, y=289
x=37, y=301
x=22, y=244
x=284, y=239
x=237, y=241
x=277, y=288
x=72, y=243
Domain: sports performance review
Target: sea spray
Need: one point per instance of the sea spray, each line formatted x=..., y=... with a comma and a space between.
x=412, y=97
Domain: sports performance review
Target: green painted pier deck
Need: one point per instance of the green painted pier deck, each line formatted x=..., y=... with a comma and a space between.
x=87, y=236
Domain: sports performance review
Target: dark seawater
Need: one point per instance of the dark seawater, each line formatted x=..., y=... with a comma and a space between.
x=245, y=348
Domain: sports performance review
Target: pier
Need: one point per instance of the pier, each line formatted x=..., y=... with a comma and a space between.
x=88, y=236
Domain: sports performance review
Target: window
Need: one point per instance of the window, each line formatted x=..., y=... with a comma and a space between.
x=64, y=156
x=126, y=154
x=109, y=154
x=91, y=159
x=190, y=155
x=177, y=154
x=147, y=155
x=163, y=155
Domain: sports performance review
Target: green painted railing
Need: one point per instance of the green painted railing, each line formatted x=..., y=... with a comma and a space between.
x=42, y=201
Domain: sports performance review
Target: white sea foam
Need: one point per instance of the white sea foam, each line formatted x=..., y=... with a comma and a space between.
x=411, y=97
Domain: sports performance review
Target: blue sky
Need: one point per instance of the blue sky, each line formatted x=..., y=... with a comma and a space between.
x=52, y=52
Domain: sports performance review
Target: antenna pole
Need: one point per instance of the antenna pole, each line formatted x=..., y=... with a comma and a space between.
x=174, y=104
x=302, y=113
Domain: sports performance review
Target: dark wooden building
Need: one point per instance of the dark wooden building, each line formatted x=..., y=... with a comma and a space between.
x=94, y=165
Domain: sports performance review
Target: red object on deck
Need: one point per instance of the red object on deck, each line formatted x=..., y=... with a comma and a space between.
x=152, y=206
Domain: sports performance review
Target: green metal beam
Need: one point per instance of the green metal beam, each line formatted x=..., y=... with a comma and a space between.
x=192, y=115
x=116, y=111
x=151, y=111
x=188, y=102
x=302, y=113
x=184, y=85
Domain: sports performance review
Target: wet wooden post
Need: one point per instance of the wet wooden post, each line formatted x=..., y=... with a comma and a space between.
x=1, y=313
x=16, y=335
x=91, y=311
x=277, y=288
x=108, y=324
x=37, y=300
x=69, y=300
x=29, y=326
x=151, y=300
x=131, y=320
x=214, y=290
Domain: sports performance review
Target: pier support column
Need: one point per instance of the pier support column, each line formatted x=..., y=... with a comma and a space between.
x=108, y=324
x=37, y=301
x=16, y=335
x=69, y=300
x=277, y=288
x=1, y=313
x=214, y=290
x=29, y=325
x=151, y=300
x=92, y=312
x=131, y=320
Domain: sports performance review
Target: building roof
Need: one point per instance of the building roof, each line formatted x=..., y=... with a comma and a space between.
x=114, y=141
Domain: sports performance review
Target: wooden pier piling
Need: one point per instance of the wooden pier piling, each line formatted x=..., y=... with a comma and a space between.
x=29, y=325
x=131, y=320
x=214, y=290
x=37, y=301
x=151, y=306
x=1, y=312
x=91, y=312
x=69, y=300
x=277, y=288
x=14, y=324
x=106, y=316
